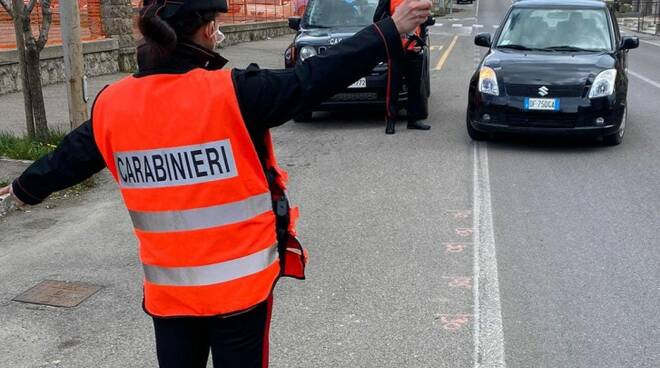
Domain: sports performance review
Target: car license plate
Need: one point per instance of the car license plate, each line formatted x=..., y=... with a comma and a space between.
x=551, y=104
x=360, y=83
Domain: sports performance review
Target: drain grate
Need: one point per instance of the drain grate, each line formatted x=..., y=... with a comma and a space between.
x=58, y=293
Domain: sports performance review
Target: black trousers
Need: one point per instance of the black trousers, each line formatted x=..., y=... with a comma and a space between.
x=239, y=341
x=410, y=66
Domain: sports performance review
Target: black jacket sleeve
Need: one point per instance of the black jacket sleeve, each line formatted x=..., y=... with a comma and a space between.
x=382, y=10
x=268, y=98
x=74, y=160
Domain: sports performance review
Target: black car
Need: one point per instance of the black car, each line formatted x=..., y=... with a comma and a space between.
x=326, y=23
x=553, y=67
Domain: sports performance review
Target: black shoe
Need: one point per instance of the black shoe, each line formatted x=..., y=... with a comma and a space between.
x=389, y=129
x=418, y=125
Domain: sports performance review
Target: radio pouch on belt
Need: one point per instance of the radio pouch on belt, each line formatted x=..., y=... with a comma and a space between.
x=293, y=257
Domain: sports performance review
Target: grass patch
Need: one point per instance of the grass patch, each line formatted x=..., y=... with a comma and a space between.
x=3, y=183
x=24, y=148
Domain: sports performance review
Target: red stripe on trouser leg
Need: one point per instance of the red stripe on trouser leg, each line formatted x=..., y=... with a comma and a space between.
x=265, y=351
x=389, y=74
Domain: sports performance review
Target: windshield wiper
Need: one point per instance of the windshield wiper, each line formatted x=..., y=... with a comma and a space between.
x=515, y=47
x=316, y=26
x=566, y=48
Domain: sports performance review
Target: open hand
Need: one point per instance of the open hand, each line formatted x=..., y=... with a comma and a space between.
x=411, y=14
x=4, y=191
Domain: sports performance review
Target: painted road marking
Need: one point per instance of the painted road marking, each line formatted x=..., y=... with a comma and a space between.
x=439, y=47
x=460, y=214
x=496, y=26
x=454, y=322
x=650, y=43
x=488, y=332
x=464, y=231
x=478, y=25
x=464, y=282
x=647, y=80
x=442, y=60
x=457, y=25
x=455, y=247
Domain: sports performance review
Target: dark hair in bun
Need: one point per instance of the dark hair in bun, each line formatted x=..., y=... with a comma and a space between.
x=161, y=35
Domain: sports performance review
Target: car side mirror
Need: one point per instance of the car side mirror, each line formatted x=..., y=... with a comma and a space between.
x=294, y=23
x=628, y=43
x=482, y=39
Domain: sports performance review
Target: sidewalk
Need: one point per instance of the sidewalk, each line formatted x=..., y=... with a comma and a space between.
x=86, y=238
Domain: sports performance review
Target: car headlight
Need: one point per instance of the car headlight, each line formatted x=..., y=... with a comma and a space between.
x=603, y=84
x=307, y=52
x=488, y=81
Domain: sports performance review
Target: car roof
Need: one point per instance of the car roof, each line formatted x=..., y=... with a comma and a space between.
x=594, y=4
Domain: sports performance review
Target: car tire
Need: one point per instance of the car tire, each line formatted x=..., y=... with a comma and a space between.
x=304, y=117
x=617, y=138
x=473, y=133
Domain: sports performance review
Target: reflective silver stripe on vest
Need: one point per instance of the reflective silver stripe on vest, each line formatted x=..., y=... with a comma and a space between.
x=214, y=273
x=202, y=218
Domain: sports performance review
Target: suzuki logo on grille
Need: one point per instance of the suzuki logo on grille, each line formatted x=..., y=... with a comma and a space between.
x=543, y=91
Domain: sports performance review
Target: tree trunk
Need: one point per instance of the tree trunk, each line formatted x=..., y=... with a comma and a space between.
x=20, y=50
x=33, y=73
x=38, y=107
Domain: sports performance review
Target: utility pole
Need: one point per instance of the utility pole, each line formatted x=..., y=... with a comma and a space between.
x=74, y=67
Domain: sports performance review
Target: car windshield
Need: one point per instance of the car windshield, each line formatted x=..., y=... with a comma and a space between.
x=556, y=30
x=337, y=13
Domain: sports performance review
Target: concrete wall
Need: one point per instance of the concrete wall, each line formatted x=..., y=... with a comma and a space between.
x=117, y=19
x=246, y=32
x=100, y=58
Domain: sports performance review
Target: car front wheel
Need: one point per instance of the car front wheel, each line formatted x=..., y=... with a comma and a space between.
x=473, y=133
x=617, y=138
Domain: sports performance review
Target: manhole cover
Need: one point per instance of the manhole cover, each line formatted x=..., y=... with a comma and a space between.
x=58, y=293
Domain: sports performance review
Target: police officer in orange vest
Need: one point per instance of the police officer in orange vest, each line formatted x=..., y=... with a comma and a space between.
x=189, y=145
x=410, y=66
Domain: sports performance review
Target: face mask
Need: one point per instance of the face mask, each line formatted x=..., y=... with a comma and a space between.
x=219, y=37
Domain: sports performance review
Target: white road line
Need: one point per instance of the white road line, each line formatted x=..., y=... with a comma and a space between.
x=650, y=43
x=478, y=25
x=488, y=331
x=649, y=81
x=496, y=26
x=457, y=25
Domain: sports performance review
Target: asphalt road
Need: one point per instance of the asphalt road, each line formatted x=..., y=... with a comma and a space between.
x=427, y=250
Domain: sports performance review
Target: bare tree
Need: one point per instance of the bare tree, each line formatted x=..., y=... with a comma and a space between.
x=29, y=48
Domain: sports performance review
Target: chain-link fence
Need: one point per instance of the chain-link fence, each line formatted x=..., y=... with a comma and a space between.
x=648, y=19
x=90, y=23
x=246, y=11
x=639, y=15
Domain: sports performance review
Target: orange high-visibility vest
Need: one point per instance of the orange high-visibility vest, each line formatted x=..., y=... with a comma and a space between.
x=418, y=31
x=195, y=189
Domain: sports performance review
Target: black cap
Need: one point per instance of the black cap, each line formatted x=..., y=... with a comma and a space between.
x=176, y=8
